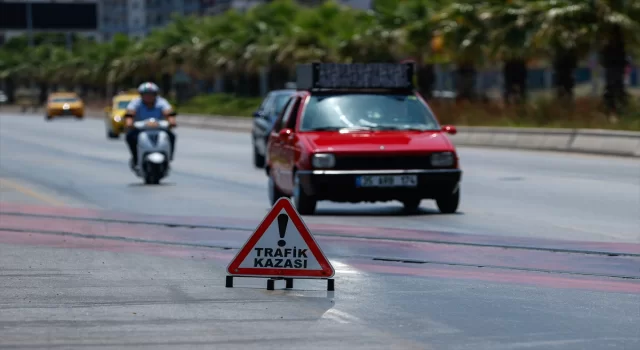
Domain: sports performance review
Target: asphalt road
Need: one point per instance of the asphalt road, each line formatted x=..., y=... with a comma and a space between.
x=59, y=289
x=527, y=194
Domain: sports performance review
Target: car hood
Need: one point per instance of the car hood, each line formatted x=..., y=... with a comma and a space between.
x=119, y=112
x=61, y=104
x=372, y=141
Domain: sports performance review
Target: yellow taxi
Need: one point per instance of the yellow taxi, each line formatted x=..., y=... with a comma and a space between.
x=64, y=104
x=114, y=118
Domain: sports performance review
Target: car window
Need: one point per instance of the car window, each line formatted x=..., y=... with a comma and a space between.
x=64, y=99
x=293, y=116
x=279, y=102
x=278, y=124
x=392, y=111
x=292, y=109
x=122, y=104
x=266, y=102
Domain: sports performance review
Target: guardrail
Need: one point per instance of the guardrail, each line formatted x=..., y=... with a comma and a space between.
x=589, y=141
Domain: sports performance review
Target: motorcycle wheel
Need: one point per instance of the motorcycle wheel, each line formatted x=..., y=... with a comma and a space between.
x=151, y=180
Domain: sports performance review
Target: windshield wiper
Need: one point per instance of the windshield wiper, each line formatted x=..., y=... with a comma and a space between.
x=338, y=128
x=326, y=128
x=396, y=127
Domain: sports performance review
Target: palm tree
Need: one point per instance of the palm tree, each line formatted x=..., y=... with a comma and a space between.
x=563, y=36
x=514, y=26
x=412, y=21
x=610, y=26
x=465, y=28
x=314, y=36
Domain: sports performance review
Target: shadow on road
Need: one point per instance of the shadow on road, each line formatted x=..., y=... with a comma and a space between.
x=378, y=211
x=142, y=184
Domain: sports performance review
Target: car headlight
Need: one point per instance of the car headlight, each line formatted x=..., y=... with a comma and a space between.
x=323, y=160
x=442, y=159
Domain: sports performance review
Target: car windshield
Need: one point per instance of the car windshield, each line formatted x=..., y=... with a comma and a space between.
x=122, y=104
x=64, y=99
x=280, y=102
x=367, y=111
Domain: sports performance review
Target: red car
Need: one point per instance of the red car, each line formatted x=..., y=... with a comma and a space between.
x=360, y=133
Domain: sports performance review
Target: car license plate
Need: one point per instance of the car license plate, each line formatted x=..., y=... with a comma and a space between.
x=387, y=181
x=67, y=112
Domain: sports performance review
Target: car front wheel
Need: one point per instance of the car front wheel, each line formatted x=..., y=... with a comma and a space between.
x=411, y=205
x=112, y=135
x=305, y=204
x=258, y=159
x=449, y=204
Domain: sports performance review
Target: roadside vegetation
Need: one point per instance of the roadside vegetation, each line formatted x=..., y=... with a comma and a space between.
x=544, y=112
x=230, y=52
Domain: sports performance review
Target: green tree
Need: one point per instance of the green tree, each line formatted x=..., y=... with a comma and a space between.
x=465, y=28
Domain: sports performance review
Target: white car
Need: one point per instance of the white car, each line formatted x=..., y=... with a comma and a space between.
x=3, y=97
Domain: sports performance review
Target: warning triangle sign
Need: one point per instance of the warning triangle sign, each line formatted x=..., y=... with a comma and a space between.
x=281, y=246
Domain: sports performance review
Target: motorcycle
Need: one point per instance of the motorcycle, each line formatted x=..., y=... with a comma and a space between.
x=154, y=150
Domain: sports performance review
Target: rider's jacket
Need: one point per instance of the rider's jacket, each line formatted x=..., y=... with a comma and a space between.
x=143, y=112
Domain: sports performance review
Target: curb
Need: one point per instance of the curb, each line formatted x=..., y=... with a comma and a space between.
x=586, y=141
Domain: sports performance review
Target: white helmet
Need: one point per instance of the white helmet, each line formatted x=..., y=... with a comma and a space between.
x=148, y=87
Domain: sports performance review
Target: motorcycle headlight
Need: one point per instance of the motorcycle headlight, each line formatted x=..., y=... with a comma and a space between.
x=323, y=160
x=442, y=159
x=117, y=118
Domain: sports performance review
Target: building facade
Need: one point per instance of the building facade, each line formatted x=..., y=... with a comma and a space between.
x=216, y=7
x=21, y=17
x=136, y=18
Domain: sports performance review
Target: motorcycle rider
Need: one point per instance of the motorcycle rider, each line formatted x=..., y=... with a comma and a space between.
x=148, y=105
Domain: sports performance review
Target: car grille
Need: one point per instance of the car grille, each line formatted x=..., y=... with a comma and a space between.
x=382, y=162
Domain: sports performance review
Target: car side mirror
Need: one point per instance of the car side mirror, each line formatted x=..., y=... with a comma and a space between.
x=450, y=129
x=107, y=109
x=285, y=133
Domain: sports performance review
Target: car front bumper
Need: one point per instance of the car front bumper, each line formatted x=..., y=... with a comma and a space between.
x=73, y=112
x=340, y=185
x=116, y=126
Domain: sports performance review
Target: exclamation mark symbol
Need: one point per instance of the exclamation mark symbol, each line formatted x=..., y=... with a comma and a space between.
x=283, y=220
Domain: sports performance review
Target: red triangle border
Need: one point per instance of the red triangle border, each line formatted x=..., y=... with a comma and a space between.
x=327, y=270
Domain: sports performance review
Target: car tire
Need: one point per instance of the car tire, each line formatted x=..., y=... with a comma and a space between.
x=274, y=191
x=48, y=118
x=80, y=117
x=112, y=135
x=449, y=204
x=258, y=159
x=411, y=205
x=305, y=204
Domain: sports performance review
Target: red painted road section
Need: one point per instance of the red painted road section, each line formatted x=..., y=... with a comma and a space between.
x=344, y=247
x=221, y=258
x=323, y=229
x=353, y=250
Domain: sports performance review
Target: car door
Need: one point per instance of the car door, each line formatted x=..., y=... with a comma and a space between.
x=277, y=151
x=262, y=125
x=290, y=146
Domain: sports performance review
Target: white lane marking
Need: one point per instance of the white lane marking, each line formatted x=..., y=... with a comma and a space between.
x=340, y=267
x=340, y=316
